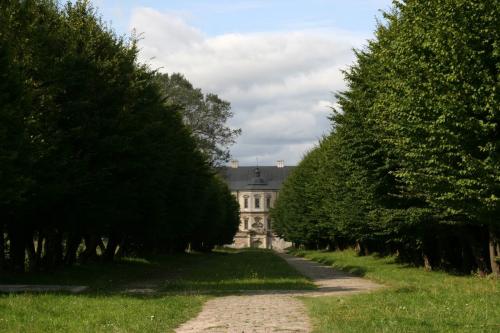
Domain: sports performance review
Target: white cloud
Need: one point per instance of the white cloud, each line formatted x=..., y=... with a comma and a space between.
x=164, y=32
x=280, y=84
x=231, y=7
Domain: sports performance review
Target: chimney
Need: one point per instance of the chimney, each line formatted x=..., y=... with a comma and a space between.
x=234, y=164
x=280, y=164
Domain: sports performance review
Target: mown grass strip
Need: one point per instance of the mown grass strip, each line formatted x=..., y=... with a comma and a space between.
x=184, y=282
x=106, y=313
x=415, y=301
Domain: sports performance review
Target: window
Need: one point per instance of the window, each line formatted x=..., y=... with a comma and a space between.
x=245, y=202
x=257, y=202
x=269, y=224
x=245, y=223
x=268, y=202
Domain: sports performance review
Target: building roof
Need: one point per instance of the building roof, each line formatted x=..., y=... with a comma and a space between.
x=255, y=178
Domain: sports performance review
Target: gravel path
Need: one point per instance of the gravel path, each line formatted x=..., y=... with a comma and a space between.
x=330, y=282
x=274, y=311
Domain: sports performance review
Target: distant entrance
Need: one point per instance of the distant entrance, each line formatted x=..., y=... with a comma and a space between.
x=256, y=243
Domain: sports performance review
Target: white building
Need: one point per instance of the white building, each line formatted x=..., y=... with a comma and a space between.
x=256, y=189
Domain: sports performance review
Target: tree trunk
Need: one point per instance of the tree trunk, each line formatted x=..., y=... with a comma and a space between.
x=361, y=248
x=477, y=251
x=428, y=252
x=101, y=245
x=427, y=262
x=2, y=247
x=17, y=249
x=90, y=248
x=493, y=245
x=39, y=249
x=466, y=257
x=121, y=248
x=71, y=248
x=357, y=248
x=440, y=251
x=53, y=249
x=30, y=247
x=110, y=251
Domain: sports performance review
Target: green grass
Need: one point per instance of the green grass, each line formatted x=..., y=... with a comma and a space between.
x=414, y=300
x=229, y=271
x=184, y=283
x=94, y=313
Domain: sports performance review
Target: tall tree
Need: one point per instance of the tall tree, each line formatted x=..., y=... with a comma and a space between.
x=205, y=114
x=442, y=103
x=412, y=162
x=90, y=152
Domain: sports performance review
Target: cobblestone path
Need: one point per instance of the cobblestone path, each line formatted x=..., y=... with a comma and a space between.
x=249, y=314
x=274, y=311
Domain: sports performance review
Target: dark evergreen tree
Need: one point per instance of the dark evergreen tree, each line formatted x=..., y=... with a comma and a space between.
x=91, y=157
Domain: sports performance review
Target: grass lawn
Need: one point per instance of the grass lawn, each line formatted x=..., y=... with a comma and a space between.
x=95, y=313
x=184, y=283
x=415, y=300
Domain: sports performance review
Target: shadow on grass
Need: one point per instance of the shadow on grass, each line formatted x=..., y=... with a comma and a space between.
x=325, y=260
x=367, y=262
x=219, y=272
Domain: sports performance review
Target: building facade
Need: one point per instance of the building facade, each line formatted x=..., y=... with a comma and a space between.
x=256, y=190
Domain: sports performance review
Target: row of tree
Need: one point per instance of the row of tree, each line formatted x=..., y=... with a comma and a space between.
x=412, y=165
x=95, y=160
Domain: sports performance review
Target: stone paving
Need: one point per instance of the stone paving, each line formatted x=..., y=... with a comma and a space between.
x=274, y=311
x=250, y=314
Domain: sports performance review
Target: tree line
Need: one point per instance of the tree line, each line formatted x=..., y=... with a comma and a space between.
x=97, y=159
x=412, y=164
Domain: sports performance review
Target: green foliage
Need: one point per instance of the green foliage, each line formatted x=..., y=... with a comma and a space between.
x=206, y=116
x=297, y=214
x=442, y=101
x=411, y=165
x=88, y=148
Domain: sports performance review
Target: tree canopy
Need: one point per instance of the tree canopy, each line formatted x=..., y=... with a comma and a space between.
x=411, y=165
x=92, y=160
x=205, y=114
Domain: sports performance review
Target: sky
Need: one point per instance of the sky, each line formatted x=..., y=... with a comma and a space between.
x=278, y=62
